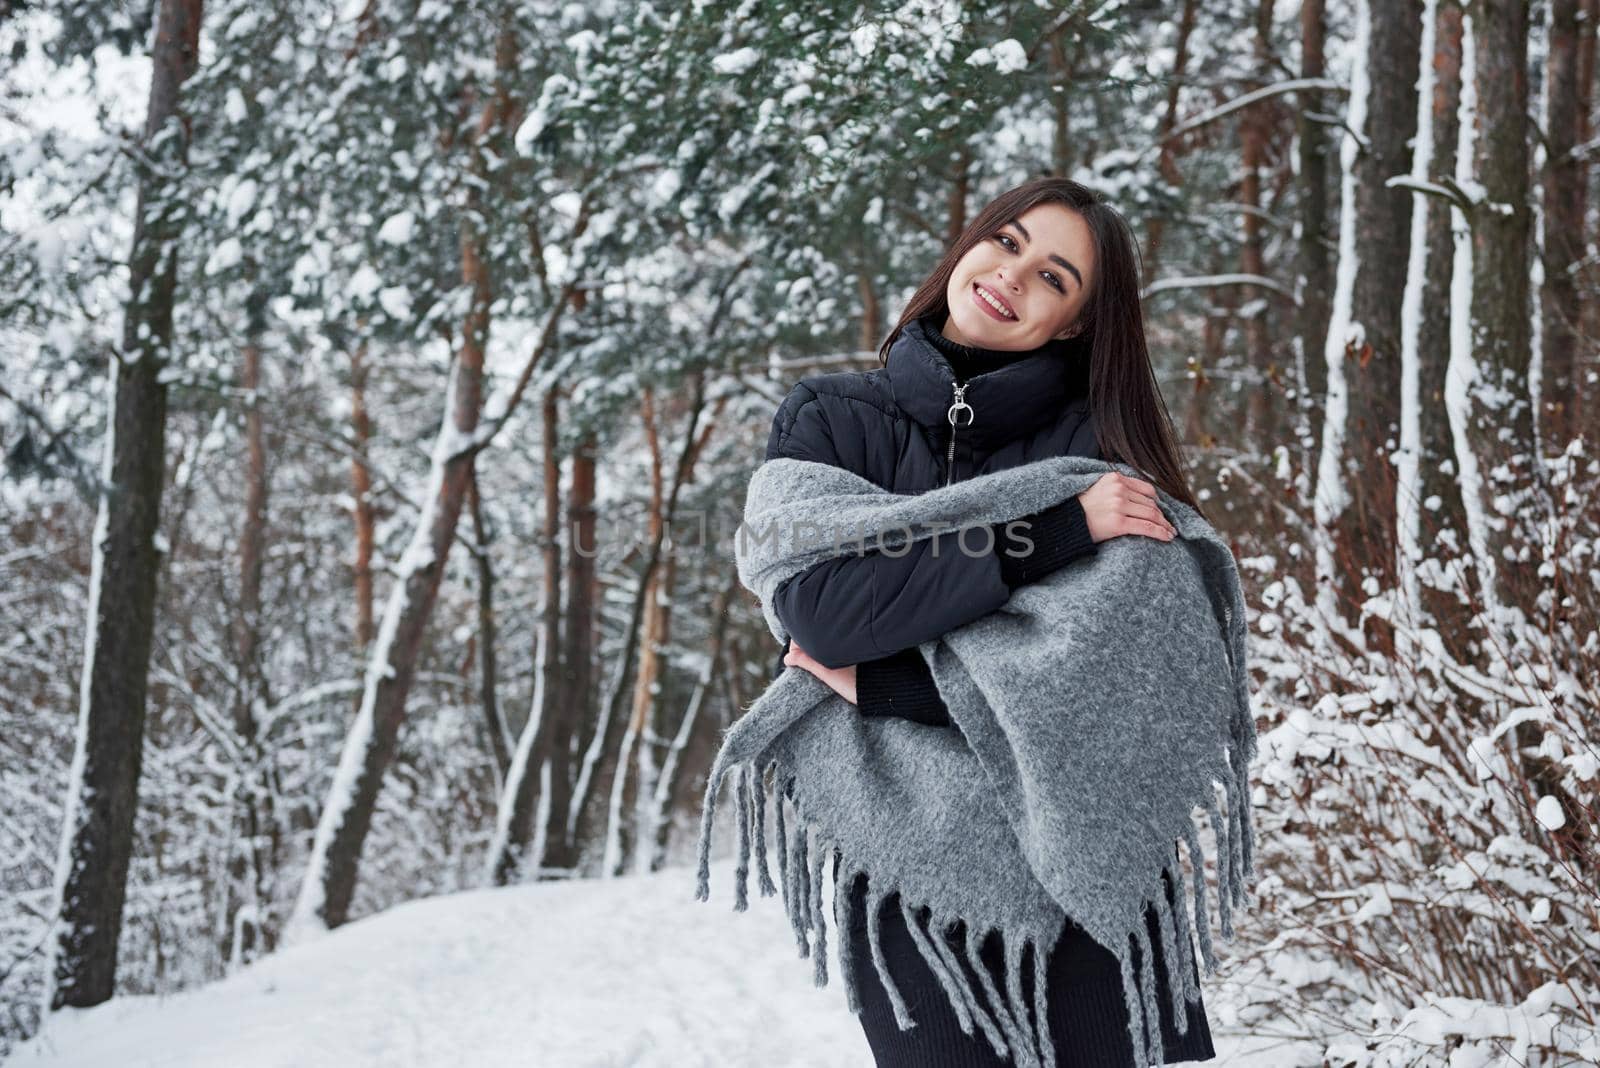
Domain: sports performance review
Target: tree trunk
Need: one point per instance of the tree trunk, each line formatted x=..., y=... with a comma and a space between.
x=955, y=219
x=1061, y=97
x=1589, y=305
x=694, y=743
x=1441, y=522
x=103, y=784
x=871, y=310
x=1506, y=493
x=1168, y=161
x=636, y=741
x=361, y=487
x=1264, y=405
x=247, y=931
x=604, y=757
x=488, y=697
x=1363, y=528
x=1315, y=266
x=646, y=803
x=545, y=743
x=330, y=880
x=1499, y=407
x=562, y=850
x=1564, y=207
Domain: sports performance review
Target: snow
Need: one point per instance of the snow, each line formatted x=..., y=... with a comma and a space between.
x=736, y=62
x=396, y=302
x=398, y=228
x=240, y=200
x=227, y=254
x=627, y=971
x=1007, y=56
x=1549, y=813
x=235, y=108
x=522, y=755
x=485, y=977
x=364, y=283
x=1471, y=1019
x=864, y=39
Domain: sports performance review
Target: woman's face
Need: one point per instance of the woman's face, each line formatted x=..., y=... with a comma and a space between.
x=1039, y=266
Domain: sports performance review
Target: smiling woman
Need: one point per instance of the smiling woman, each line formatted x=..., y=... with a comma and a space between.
x=1025, y=341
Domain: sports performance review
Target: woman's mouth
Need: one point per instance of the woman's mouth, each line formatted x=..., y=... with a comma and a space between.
x=990, y=302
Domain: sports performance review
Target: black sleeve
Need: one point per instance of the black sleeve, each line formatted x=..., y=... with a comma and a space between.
x=896, y=685
x=900, y=685
x=1036, y=544
x=868, y=604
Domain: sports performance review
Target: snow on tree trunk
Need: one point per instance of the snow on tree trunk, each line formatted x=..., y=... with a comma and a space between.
x=329, y=883
x=1409, y=550
x=92, y=861
x=1333, y=495
x=633, y=777
x=509, y=853
x=1315, y=282
x=1435, y=558
x=1363, y=530
x=1490, y=398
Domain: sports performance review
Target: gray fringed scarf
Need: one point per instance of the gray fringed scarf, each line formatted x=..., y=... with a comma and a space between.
x=1094, y=711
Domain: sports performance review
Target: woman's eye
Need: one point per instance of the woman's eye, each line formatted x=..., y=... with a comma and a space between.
x=1009, y=243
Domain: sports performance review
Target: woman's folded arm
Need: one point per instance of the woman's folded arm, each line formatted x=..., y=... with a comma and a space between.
x=901, y=683
x=868, y=607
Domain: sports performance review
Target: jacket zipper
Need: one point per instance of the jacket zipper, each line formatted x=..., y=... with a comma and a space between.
x=958, y=404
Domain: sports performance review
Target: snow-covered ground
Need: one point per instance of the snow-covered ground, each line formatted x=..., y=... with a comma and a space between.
x=629, y=971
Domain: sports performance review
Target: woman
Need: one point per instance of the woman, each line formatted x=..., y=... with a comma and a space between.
x=1025, y=342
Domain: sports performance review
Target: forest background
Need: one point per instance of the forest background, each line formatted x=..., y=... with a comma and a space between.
x=379, y=380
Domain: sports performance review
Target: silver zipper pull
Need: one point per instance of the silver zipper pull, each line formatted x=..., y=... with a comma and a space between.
x=959, y=404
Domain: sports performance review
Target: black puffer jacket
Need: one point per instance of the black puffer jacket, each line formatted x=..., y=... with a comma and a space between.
x=893, y=426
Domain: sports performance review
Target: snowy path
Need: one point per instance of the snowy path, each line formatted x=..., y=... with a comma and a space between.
x=624, y=972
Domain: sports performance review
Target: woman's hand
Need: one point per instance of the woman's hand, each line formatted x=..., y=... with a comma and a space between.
x=1118, y=504
x=841, y=681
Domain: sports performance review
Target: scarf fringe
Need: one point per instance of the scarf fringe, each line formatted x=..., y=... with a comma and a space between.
x=1003, y=1019
x=939, y=966
x=944, y=947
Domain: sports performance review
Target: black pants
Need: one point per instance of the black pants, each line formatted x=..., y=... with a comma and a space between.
x=1087, y=1015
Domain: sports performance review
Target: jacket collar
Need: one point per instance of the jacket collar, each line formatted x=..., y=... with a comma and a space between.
x=1007, y=402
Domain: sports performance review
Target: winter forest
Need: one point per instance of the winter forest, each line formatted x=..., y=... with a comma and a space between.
x=379, y=383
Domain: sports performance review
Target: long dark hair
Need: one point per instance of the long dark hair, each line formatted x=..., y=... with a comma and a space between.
x=1131, y=418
